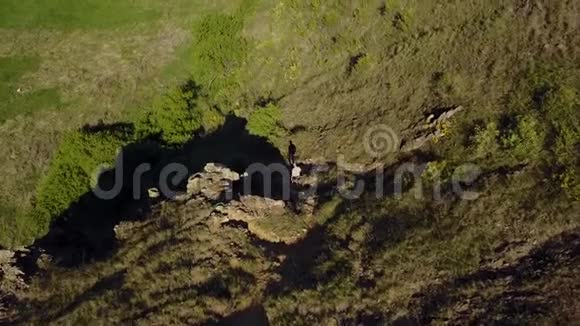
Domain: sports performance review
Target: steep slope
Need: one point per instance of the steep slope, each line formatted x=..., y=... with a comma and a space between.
x=477, y=223
x=367, y=260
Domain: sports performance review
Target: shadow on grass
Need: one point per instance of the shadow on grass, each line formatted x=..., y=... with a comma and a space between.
x=217, y=287
x=110, y=283
x=255, y=316
x=298, y=270
x=85, y=232
x=513, y=300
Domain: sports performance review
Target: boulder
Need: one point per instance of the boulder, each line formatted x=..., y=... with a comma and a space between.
x=261, y=206
x=211, y=183
x=250, y=208
x=218, y=171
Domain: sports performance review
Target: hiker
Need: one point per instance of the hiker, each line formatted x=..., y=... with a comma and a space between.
x=291, y=154
x=296, y=173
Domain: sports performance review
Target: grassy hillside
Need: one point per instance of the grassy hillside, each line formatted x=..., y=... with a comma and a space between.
x=73, y=14
x=64, y=64
x=151, y=76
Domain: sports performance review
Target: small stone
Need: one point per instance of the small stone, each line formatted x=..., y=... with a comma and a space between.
x=153, y=193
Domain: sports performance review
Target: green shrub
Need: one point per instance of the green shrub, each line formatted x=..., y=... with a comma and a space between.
x=211, y=117
x=486, y=140
x=562, y=108
x=177, y=116
x=219, y=52
x=555, y=95
x=438, y=171
x=265, y=122
x=570, y=182
x=526, y=141
x=172, y=117
x=72, y=172
x=546, y=129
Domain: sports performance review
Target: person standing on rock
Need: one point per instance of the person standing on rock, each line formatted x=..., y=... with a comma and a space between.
x=291, y=153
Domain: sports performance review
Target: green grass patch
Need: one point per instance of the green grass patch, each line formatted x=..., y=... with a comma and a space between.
x=16, y=228
x=71, y=14
x=13, y=99
x=29, y=103
x=218, y=52
x=13, y=68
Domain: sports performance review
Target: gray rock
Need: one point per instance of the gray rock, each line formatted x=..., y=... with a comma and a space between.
x=429, y=130
x=211, y=183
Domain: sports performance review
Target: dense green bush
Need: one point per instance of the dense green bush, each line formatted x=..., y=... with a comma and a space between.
x=177, y=116
x=438, y=171
x=265, y=122
x=525, y=142
x=554, y=93
x=219, y=52
x=211, y=117
x=73, y=171
x=520, y=143
x=172, y=117
x=486, y=140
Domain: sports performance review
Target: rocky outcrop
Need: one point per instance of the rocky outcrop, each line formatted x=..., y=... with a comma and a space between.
x=429, y=129
x=11, y=284
x=250, y=208
x=263, y=216
x=212, y=182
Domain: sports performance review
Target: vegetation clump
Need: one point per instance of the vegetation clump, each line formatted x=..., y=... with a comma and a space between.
x=174, y=118
x=266, y=122
x=82, y=155
x=219, y=52
x=540, y=128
